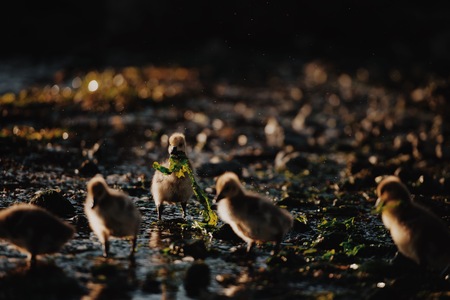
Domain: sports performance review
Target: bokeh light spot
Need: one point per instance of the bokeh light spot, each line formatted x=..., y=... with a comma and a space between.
x=93, y=86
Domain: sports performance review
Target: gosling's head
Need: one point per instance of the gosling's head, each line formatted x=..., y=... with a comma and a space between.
x=228, y=185
x=391, y=189
x=97, y=188
x=177, y=143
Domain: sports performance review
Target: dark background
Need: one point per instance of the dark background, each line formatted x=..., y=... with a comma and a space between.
x=349, y=33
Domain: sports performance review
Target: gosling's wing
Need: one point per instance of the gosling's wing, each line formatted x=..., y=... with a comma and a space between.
x=246, y=229
x=427, y=226
x=16, y=226
x=120, y=214
x=158, y=177
x=431, y=236
x=263, y=221
x=34, y=225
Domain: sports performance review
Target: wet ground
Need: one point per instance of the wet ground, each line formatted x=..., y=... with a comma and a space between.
x=310, y=135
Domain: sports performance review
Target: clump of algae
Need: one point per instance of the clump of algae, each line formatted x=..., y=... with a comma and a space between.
x=179, y=164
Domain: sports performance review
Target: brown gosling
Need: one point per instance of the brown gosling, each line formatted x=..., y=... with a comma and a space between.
x=252, y=217
x=111, y=213
x=418, y=233
x=170, y=188
x=34, y=230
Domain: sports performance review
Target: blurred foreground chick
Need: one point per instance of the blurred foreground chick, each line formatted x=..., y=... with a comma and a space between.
x=34, y=230
x=251, y=216
x=170, y=188
x=418, y=234
x=111, y=213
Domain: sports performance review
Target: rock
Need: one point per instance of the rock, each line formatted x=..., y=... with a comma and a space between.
x=293, y=162
x=290, y=258
x=151, y=285
x=197, y=279
x=331, y=240
x=362, y=180
x=383, y=293
x=226, y=279
x=274, y=133
x=195, y=248
x=88, y=168
x=300, y=226
x=408, y=173
x=290, y=202
x=116, y=280
x=81, y=223
x=226, y=233
x=53, y=201
x=215, y=169
x=45, y=281
x=296, y=140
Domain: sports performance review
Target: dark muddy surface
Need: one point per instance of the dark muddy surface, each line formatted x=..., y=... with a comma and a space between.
x=311, y=136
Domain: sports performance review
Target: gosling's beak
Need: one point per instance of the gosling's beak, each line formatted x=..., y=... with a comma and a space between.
x=174, y=150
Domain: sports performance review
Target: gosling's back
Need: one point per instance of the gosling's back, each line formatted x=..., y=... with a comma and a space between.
x=253, y=217
x=33, y=229
x=418, y=233
x=110, y=210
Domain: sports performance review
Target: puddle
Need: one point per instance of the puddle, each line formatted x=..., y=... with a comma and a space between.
x=341, y=130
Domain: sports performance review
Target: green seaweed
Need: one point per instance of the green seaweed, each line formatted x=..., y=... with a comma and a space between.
x=351, y=248
x=179, y=164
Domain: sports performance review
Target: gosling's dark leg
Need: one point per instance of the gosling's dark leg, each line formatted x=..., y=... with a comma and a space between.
x=183, y=209
x=249, y=253
x=33, y=261
x=105, y=245
x=133, y=246
x=159, y=209
x=250, y=246
x=444, y=272
x=277, y=247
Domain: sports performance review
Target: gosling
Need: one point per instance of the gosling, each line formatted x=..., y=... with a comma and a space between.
x=418, y=234
x=254, y=218
x=170, y=188
x=111, y=213
x=34, y=230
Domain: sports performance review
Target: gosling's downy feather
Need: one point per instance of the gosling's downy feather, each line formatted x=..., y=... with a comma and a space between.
x=252, y=217
x=111, y=213
x=170, y=188
x=416, y=231
x=34, y=230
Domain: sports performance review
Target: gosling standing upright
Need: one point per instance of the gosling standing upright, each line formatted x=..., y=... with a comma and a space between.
x=111, y=213
x=170, y=188
x=418, y=233
x=252, y=217
x=34, y=230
